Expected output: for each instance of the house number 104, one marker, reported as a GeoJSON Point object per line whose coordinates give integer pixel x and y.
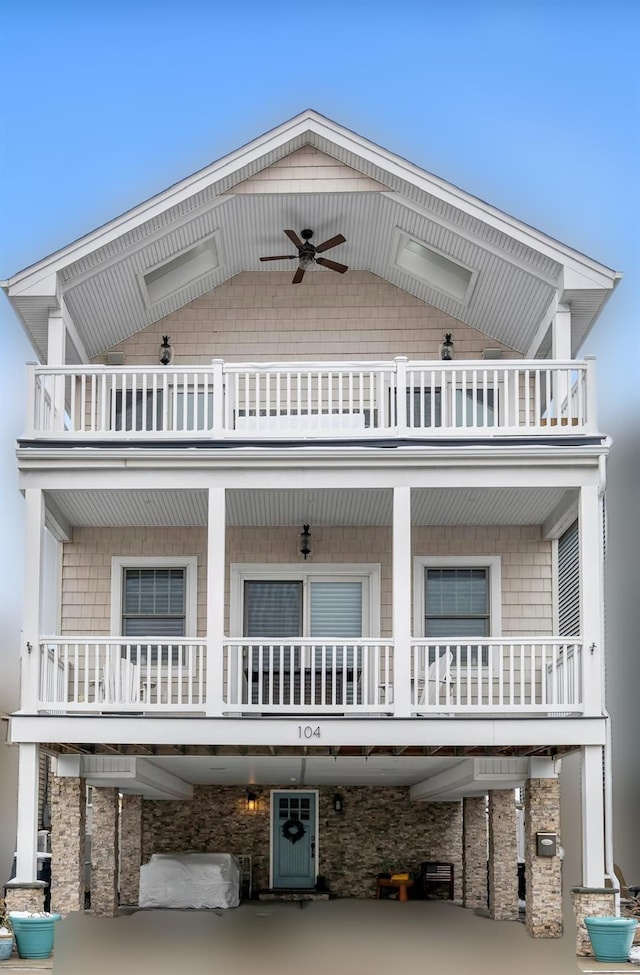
{"type": "Point", "coordinates": [308, 731]}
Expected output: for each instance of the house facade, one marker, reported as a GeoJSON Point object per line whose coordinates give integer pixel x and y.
{"type": "Point", "coordinates": [315, 489]}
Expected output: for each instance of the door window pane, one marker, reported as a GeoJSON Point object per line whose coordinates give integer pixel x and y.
{"type": "Point", "coordinates": [336, 609]}
{"type": "Point", "coordinates": [273, 608]}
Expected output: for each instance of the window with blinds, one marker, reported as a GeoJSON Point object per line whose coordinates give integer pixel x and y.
{"type": "Point", "coordinates": [154, 604]}
{"type": "Point", "coordinates": [569, 582]}
{"type": "Point", "coordinates": [457, 606]}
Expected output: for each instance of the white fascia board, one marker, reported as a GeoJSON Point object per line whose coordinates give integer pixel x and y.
{"type": "Point", "coordinates": [334, 732]}
{"type": "Point", "coordinates": [161, 781]}
{"type": "Point", "coordinates": [473, 776]}
{"type": "Point", "coordinates": [306, 125]}
{"type": "Point", "coordinates": [43, 282]}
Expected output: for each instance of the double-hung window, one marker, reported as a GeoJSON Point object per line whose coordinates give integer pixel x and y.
{"type": "Point", "coordinates": [458, 602]}
{"type": "Point", "coordinates": [151, 599]}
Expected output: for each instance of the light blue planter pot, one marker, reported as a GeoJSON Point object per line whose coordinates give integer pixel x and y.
{"type": "Point", "coordinates": [34, 935]}
{"type": "Point", "coordinates": [6, 948]}
{"type": "Point", "coordinates": [611, 937]}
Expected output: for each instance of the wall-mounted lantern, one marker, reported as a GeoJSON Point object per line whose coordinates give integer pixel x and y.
{"type": "Point", "coordinates": [305, 541]}
{"type": "Point", "coordinates": [446, 352]}
{"type": "Point", "coordinates": [252, 802]}
{"type": "Point", "coordinates": [166, 352]}
{"type": "Point", "coordinates": [338, 804]}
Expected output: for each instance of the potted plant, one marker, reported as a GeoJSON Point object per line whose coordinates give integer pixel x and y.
{"type": "Point", "coordinates": [6, 933]}
{"type": "Point", "coordinates": [33, 933]}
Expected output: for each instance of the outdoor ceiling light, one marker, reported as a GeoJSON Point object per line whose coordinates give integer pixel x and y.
{"type": "Point", "coordinates": [252, 802]}
{"type": "Point", "coordinates": [305, 541]}
{"type": "Point", "coordinates": [166, 352]}
{"type": "Point", "coordinates": [446, 352]}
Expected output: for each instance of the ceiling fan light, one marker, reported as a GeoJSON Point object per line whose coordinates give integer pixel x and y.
{"type": "Point", "coordinates": [306, 260]}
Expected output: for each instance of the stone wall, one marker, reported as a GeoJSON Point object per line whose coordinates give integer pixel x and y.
{"type": "Point", "coordinates": [543, 874]}
{"type": "Point", "coordinates": [503, 856]}
{"type": "Point", "coordinates": [380, 830]}
{"type": "Point", "coordinates": [24, 897]}
{"type": "Point", "coordinates": [68, 811]}
{"type": "Point", "coordinates": [474, 851]}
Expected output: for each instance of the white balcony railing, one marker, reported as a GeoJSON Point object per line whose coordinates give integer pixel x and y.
{"type": "Point", "coordinates": [111, 674]}
{"type": "Point", "coordinates": [541, 675]}
{"type": "Point", "coordinates": [339, 400]}
{"type": "Point", "coordinates": [354, 677]}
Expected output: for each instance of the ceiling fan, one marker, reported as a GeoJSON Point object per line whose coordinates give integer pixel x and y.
{"type": "Point", "coordinates": [307, 251]}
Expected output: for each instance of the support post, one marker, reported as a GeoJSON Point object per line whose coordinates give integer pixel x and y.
{"type": "Point", "coordinates": [216, 559]}
{"type": "Point", "coordinates": [130, 849]}
{"type": "Point", "coordinates": [30, 650]}
{"type": "Point", "coordinates": [402, 601]}
{"type": "Point", "coordinates": [104, 852]}
{"type": "Point", "coordinates": [68, 829]}
{"type": "Point", "coordinates": [561, 351]}
{"type": "Point", "coordinates": [56, 355]}
{"type": "Point", "coordinates": [503, 856]}
{"type": "Point", "coordinates": [28, 779]}
{"type": "Point", "coordinates": [543, 874]}
{"type": "Point", "coordinates": [217, 424]}
{"type": "Point", "coordinates": [591, 597]}
{"type": "Point", "coordinates": [474, 851]}
{"type": "Point", "coordinates": [592, 817]}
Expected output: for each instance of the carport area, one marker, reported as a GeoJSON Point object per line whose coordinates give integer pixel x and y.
{"type": "Point", "coordinates": [338, 936]}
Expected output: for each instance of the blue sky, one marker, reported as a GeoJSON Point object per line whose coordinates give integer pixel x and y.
{"type": "Point", "coordinates": [531, 105]}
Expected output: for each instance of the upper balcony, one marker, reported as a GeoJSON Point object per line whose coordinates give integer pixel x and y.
{"type": "Point", "coordinates": [343, 401]}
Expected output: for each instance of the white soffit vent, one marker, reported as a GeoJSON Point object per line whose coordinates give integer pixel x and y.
{"type": "Point", "coordinates": [432, 266]}
{"type": "Point", "coordinates": [175, 274]}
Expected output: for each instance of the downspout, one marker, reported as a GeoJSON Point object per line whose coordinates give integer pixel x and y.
{"type": "Point", "coordinates": [607, 773]}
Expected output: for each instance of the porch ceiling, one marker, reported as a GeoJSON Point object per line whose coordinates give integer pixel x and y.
{"type": "Point", "coordinates": [373, 507]}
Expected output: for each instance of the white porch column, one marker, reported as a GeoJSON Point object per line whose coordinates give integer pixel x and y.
{"type": "Point", "coordinates": [561, 349]}
{"type": "Point", "coordinates": [401, 568]}
{"type": "Point", "coordinates": [592, 597]}
{"type": "Point", "coordinates": [215, 598]}
{"type": "Point", "coordinates": [27, 845]}
{"type": "Point", "coordinates": [592, 817]}
{"type": "Point", "coordinates": [30, 649]}
{"type": "Point", "coordinates": [56, 355]}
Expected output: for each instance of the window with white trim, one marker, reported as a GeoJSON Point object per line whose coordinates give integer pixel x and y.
{"type": "Point", "coordinates": [153, 597]}
{"type": "Point", "coordinates": [458, 601]}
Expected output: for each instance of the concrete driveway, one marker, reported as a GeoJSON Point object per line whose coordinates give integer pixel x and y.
{"type": "Point", "coordinates": [323, 938]}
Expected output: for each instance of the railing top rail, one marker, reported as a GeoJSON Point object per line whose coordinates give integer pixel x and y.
{"type": "Point", "coordinates": [535, 641]}
{"type": "Point", "coordinates": [365, 365]}
{"type": "Point", "coordinates": [121, 640]}
{"type": "Point", "coordinates": [317, 641]}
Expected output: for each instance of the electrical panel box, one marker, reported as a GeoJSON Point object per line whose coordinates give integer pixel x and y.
{"type": "Point", "coordinates": [546, 844]}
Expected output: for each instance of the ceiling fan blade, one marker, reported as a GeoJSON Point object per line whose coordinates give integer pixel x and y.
{"type": "Point", "coordinates": [281, 257]}
{"type": "Point", "coordinates": [332, 242]}
{"type": "Point", "coordinates": [298, 276]}
{"type": "Point", "coordinates": [340, 268]}
{"type": "Point", "coordinates": [293, 237]}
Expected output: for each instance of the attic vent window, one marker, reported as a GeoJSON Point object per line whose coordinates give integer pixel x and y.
{"type": "Point", "coordinates": [189, 266]}
{"type": "Point", "coordinates": [434, 268]}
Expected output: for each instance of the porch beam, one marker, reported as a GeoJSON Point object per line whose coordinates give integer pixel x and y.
{"type": "Point", "coordinates": [241, 735]}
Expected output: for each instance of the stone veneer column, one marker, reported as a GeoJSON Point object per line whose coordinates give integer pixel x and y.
{"type": "Point", "coordinates": [503, 856]}
{"type": "Point", "coordinates": [130, 849]}
{"type": "Point", "coordinates": [474, 851]}
{"type": "Point", "coordinates": [25, 897]}
{"type": "Point", "coordinates": [104, 853]}
{"type": "Point", "coordinates": [590, 902]}
{"type": "Point", "coordinates": [68, 812]}
{"type": "Point", "coordinates": [543, 874]}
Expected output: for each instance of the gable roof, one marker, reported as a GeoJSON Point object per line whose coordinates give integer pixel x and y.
{"type": "Point", "coordinates": [311, 172]}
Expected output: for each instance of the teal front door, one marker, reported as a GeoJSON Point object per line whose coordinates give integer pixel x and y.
{"type": "Point", "coordinates": [294, 839]}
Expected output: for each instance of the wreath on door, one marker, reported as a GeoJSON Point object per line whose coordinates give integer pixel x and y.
{"type": "Point", "coordinates": [293, 830]}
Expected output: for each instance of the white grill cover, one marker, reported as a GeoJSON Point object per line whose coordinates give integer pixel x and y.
{"type": "Point", "coordinates": [197, 880]}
